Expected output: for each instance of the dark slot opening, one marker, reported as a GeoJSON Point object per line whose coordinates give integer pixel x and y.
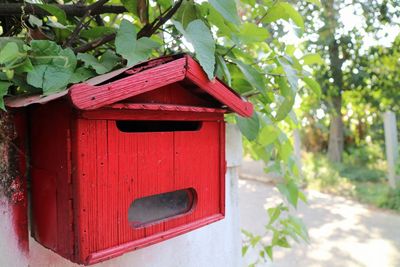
{"type": "Point", "coordinates": [155, 208]}
{"type": "Point", "coordinates": [157, 126]}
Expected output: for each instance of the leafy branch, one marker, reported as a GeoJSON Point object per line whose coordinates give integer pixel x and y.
{"type": "Point", "coordinates": [78, 10]}
{"type": "Point", "coordinates": [146, 31]}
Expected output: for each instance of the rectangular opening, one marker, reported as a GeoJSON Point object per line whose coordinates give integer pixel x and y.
{"type": "Point", "coordinates": [157, 126]}
{"type": "Point", "coordinates": [152, 209]}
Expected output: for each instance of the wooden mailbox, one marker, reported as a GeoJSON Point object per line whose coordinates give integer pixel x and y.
{"type": "Point", "coordinates": [129, 158]}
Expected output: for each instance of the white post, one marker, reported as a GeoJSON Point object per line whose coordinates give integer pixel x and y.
{"type": "Point", "coordinates": [297, 148]}
{"type": "Point", "coordinates": [392, 150]}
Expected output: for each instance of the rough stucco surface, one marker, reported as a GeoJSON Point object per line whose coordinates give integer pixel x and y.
{"type": "Point", "coordinates": [9, 252]}
{"type": "Point", "coordinates": [215, 245]}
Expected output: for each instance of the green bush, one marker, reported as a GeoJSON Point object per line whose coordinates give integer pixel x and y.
{"type": "Point", "coordinates": [392, 200]}
{"type": "Point", "coordinates": [363, 155]}
{"type": "Point", "coordinates": [359, 173]}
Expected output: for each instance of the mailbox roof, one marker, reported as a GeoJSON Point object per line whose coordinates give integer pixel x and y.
{"type": "Point", "coordinates": [111, 88]}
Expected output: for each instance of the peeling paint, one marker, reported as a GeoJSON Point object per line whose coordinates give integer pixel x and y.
{"type": "Point", "coordinates": [9, 171]}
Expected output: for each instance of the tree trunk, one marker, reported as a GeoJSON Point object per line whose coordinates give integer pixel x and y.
{"type": "Point", "coordinates": [336, 132]}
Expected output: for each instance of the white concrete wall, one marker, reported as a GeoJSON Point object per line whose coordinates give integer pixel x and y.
{"type": "Point", "coordinates": [215, 245]}
{"type": "Point", "coordinates": [9, 251]}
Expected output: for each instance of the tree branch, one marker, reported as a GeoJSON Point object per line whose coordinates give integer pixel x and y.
{"type": "Point", "coordinates": [13, 9]}
{"type": "Point", "coordinates": [146, 31]}
{"type": "Point", "coordinates": [89, 10]}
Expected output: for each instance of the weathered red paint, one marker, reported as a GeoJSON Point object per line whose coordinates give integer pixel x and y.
{"type": "Point", "coordinates": [86, 172]}
{"type": "Point", "coordinates": [19, 199]}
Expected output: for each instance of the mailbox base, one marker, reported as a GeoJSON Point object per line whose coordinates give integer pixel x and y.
{"type": "Point", "coordinates": [117, 251]}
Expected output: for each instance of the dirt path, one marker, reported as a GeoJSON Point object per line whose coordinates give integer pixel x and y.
{"type": "Point", "coordinates": [343, 233]}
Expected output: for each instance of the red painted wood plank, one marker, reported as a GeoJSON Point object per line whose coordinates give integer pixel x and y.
{"type": "Point", "coordinates": [155, 169]}
{"type": "Point", "coordinates": [177, 93]}
{"type": "Point", "coordinates": [166, 107]}
{"type": "Point", "coordinates": [113, 114]}
{"type": "Point", "coordinates": [50, 159]}
{"type": "Point", "coordinates": [222, 166]}
{"type": "Point", "coordinates": [81, 189]}
{"type": "Point", "coordinates": [86, 97]}
{"type": "Point", "coordinates": [217, 89]}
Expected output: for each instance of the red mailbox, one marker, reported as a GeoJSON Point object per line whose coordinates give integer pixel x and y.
{"type": "Point", "coordinates": [129, 158]}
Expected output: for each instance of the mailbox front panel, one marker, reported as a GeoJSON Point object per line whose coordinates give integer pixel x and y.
{"type": "Point", "coordinates": [175, 165]}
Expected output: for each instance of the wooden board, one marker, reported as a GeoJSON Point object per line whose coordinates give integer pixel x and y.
{"type": "Point", "coordinates": [128, 166]}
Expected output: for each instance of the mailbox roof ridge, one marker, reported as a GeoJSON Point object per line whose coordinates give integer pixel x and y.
{"type": "Point", "coordinates": [118, 85]}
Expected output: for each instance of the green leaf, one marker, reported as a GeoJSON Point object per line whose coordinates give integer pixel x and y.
{"type": "Point", "coordinates": [221, 64]}
{"type": "Point", "coordinates": [285, 150]}
{"type": "Point", "coordinates": [252, 75]}
{"type": "Point", "coordinates": [106, 62]}
{"type": "Point", "coordinates": [3, 91]}
{"type": "Point", "coordinates": [284, 108]}
{"type": "Point", "coordinates": [131, 49]}
{"type": "Point", "coordinates": [282, 242]}
{"type": "Point", "coordinates": [302, 197]}
{"type": "Point", "coordinates": [81, 74]}
{"type": "Point", "coordinates": [247, 233]}
{"type": "Point", "coordinates": [187, 13]}
{"type": "Point", "coordinates": [285, 11]}
{"type": "Point", "coordinates": [44, 51]}
{"type": "Point", "coordinates": [283, 190]}
{"type": "Point", "coordinates": [269, 251]}
{"type": "Point", "coordinates": [165, 3]}
{"type": "Point", "coordinates": [227, 8]}
{"type": "Point", "coordinates": [130, 5]}
{"type": "Point", "coordinates": [284, 87]}
{"type": "Point", "coordinates": [9, 74]}
{"type": "Point", "coordinates": [35, 77]}
{"type": "Point", "coordinates": [97, 32]}
{"type": "Point", "coordinates": [293, 193]}
{"type": "Point", "coordinates": [203, 43]}
{"type": "Point", "coordinates": [50, 78]}
{"type": "Point", "coordinates": [249, 126]}
{"type": "Point", "coordinates": [66, 59]}
{"type": "Point", "coordinates": [254, 241]}
{"type": "Point", "coordinates": [311, 59]}
{"type": "Point", "coordinates": [251, 33]}
{"type": "Point", "coordinates": [268, 135]}
{"type": "Point", "coordinates": [9, 52]}
{"type": "Point", "coordinates": [273, 214]}
{"type": "Point", "coordinates": [291, 74]}
{"type": "Point", "coordinates": [25, 66]}
{"type": "Point", "coordinates": [55, 11]}
{"type": "Point", "coordinates": [214, 17]}
{"type": "Point", "coordinates": [313, 85]}
{"type": "Point", "coordinates": [244, 250]}
{"type": "Point", "coordinates": [299, 226]}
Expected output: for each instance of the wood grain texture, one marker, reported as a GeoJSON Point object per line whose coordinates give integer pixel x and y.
{"type": "Point", "coordinates": [165, 107]}
{"type": "Point", "coordinates": [50, 174]}
{"type": "Point", "coordinates": [115, 168]}
{"type": "Point", "coordinates": [217, 89]}
{"type": "Point", "coordinates": [86, 97]}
